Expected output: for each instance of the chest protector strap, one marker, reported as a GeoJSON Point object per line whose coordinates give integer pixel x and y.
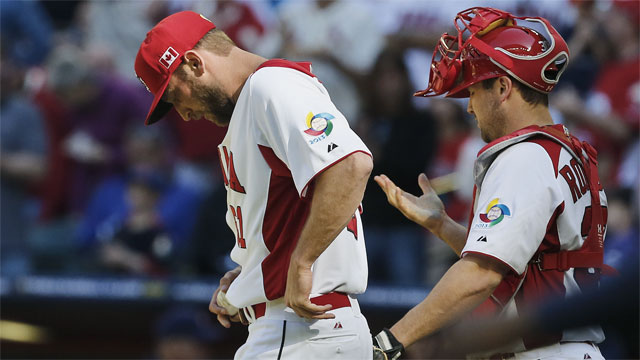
{"type": "Point", "coordinates": [590, 255]}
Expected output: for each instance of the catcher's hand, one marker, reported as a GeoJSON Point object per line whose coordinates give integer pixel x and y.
{"type": "Point", "coordinates": [386, 346]}
{"type": "Point", "coordinates": [426, 210]}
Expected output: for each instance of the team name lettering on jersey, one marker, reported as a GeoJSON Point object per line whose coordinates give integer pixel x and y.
{"type": "Point", "coordinates": [575, 178]}
{"type": "Point", "coordinates": [237, 218]}
{"type": "Point", "coordinates": [229, 171]}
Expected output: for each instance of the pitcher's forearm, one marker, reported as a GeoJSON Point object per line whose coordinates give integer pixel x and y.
{"type": "Point", "coordinates": [337, 194]}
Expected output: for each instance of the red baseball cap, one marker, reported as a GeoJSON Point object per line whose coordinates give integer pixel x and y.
{"type": "Point", "coordinates": [161, 53]}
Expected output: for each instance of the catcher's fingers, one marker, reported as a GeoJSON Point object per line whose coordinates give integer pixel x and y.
{"type": "Point", "coordinates": [424, 183]}
{"type": "Point", "coordinates": [388, 187]}
{"type": "Point", "coordinates": [398, 196]}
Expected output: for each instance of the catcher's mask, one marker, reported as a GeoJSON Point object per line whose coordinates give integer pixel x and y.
{"type": "Point", "coordinates": [490, 43]}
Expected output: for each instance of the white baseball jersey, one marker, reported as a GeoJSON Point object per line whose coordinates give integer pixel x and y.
{"type": "Point", "coordinates": [283, 133]}
{"type": "Point", "coordinates": [531, 197]}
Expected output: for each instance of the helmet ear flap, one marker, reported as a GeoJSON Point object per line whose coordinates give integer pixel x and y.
{"type": "Point", "coordinates": [450, 74]}
{"type": "Point", "coordinates": [442, 77]}
{"type": "Point", "coordinates": [445, 67]}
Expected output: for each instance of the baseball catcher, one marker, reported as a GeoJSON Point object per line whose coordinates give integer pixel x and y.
{"type": "Point", "coordinates": [539, 213]}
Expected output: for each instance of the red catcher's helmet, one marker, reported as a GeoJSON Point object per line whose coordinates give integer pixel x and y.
{"type": "Point", "coordinates": [492, 43]}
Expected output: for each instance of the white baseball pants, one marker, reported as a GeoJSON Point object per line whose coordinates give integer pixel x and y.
{"type": "Point", "coordinates": [281, 334]}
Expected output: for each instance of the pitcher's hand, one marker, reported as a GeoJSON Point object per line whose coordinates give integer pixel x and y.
{"type": "Point", "coordinates": [222, 314]}
{"type": "Point", "coordinates": [296, 296]}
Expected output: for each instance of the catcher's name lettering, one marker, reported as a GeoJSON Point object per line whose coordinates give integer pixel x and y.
{"type": "Point", "coordinates": [229, 171]}
{"type": "Point", "coordinates": [576, 179]}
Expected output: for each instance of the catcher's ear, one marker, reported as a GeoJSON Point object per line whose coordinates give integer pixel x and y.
{"type": "Point", "coordinates": [505, 87]}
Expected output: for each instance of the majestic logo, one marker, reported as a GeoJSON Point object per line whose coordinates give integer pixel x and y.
{"type": "Point", "coordinates": [482, 238]}
{"type": "Point", "coordinates": [494, 213]}
{"type": "Point", "coordinates": [319, 124]}
{"type": "Point", "coordinates": [169, 56]}
{"type": "Point", "coordinates": [331, 146]}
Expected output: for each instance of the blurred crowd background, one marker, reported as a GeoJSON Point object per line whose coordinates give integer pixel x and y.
{"type": "Point", "coordinates": [87, 189]}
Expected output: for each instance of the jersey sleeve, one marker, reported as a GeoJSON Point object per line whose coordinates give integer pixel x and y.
{"type": "Point", "coordinates": [518, 197]}
{"type": "Point", "coordinates": [296, 118]}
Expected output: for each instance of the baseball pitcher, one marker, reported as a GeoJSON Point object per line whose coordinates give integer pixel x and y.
{"type": "Point", "coordinates": [295, 174]}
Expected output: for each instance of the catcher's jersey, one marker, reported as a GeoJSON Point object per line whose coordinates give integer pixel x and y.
{"type": "Point", "coordinates": [533, 198]}
{"type": "Point", "coordinates": [284, 131]}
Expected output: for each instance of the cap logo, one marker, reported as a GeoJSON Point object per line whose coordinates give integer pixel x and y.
{"type": "Point", "coordinates": [169, 56]}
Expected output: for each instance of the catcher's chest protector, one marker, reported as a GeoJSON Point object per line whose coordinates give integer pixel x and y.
{"type": "Point", "coordinates": [588, 260]}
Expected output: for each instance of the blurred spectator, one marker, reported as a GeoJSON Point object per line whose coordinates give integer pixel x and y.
{"type": "Point", "coordinates": [451, 174]}
{"type": "Point", "coordinates": [197, 165]}
{"type": "Point", "coordinates": [63, 14]}
{"type": "Point", "coordinates": [628, 173]}
{"type": "Point", "coordinates": [22, 166]}
{"type": "Point", "coordinates": [339, 38]}
{"type": "Point", "coordinates": [54, 196]}
{"type": "Point", "coordinates": [610, 116]}
{"type": "Point", "coordinates": [249, 25]}
{"type": "Point", "coordinates": [141, 245]}
{"type": "Point", "coordinates": [116, 46]}
{"type": "Point", "coordinates": [211, 240]}
{"type": "Point", "coordinates": [26, 31]}
{"type": "Point", "coordinates": [144, 210]}
{"type": "Point", "coordinates": [403, 142]}
{"type": "Point", "coordinates": [623, 237]}
{"type": "Point", "coordinates": [185, 333]}
{"type": "Point", "coordinates": [100, 108]}
{"type": "Point", "coordinates": [453, 134]}
{"type": "Point", "coordinates": [588, 51]}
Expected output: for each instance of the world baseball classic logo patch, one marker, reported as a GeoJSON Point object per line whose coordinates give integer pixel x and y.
{"type": "Point", "coordinates": [319, 126]}
{"type": "Point", "coordinates": [494, 214]}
